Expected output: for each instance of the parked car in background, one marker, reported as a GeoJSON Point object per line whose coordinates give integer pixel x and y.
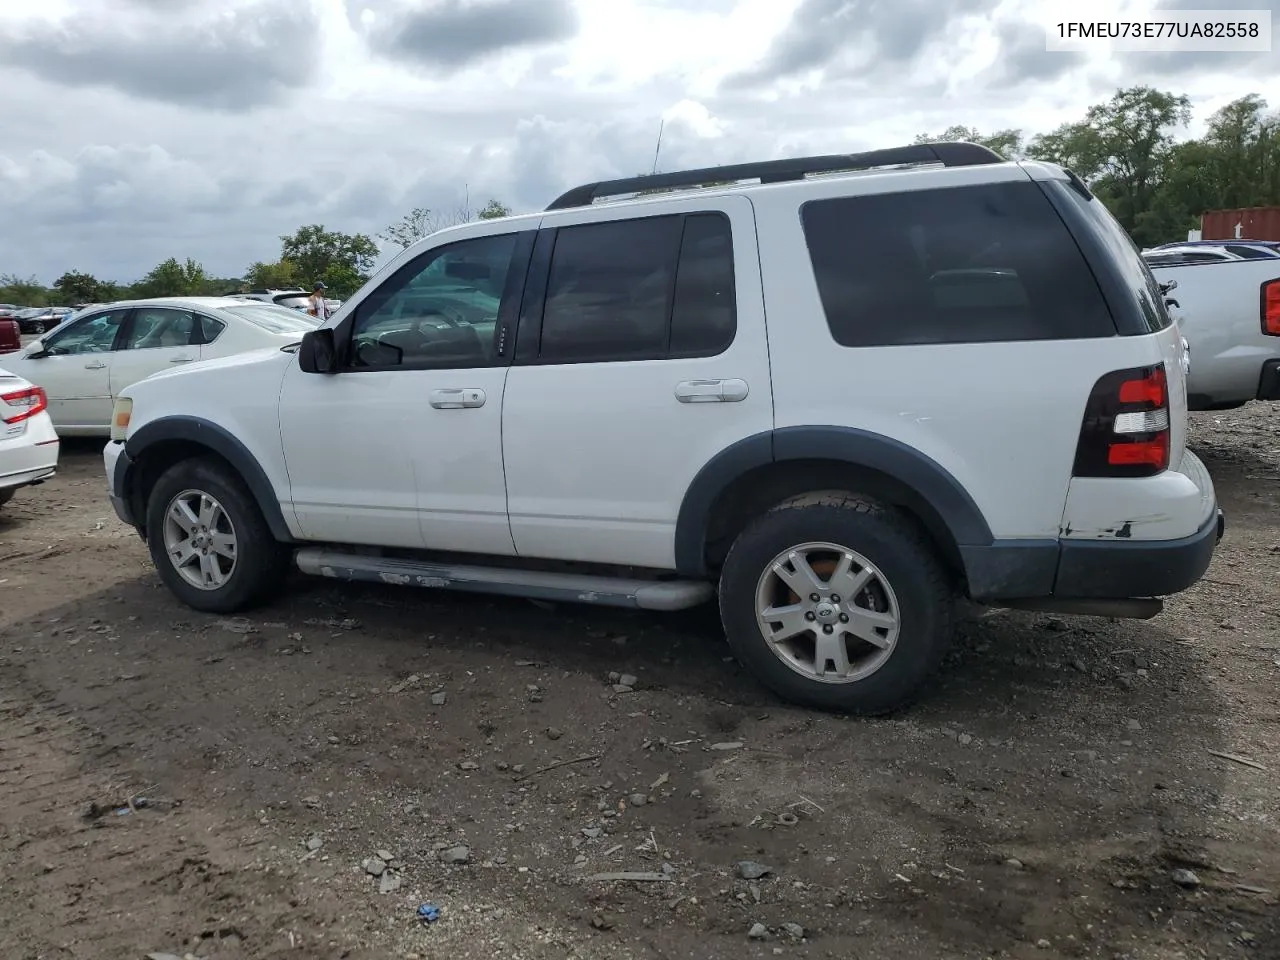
{"type": "Point", "coordinates": [1229, 314]}
{"type": "Point", "coordinates": [8, 309]}
{"type": "Point", "coordinates": [295, 299]}
{"type": "Point", "coordinates": [266, 295]}
{"type": "Point", "coordinates": [28, 441]}
{"type": "Point", "coordinates": [302, 301]}
{"type": "Point", "coordinates": [84, 364]}
{"type": "Point", "coordinates": [1167, 256]}
{"type": "Point", "coordinates": [10, 336]}
{"type": "Point", "coordinates": [1244, 249]}
{"type": "Point", "coordinates": [38, 320]}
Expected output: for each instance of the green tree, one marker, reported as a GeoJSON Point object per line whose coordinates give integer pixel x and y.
{"type": "Point", "coordinates": [421, 222]}
{"type": "Point", "coordinates": [1124, 148]}
{"type": "Point", "coordinates": [173, 279]}
{"type": "Point", "coordinates": [28, 292]}
{"type": "Point", "coordinates": [342, 280]}
{"type": "Point", "coordinates": [281, 275]}
{"type": "Point", "coordinates": [410, 228]}
{"type": "Point", "coordinates": [1244, 139]}
{"type": "Point", "coordinates": [493, 210]}
{"type": "Point", "coordinates": [313, 250]}
{"type": "Point", "coordinates": [1007, 143]}
{"type": "Point", "coordinates": [76, 287]}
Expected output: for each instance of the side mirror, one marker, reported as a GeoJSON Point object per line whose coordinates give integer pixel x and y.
{"type": "Point", "coordinates": [39, 354]}
{"type": "Point", "coordinates": [318, 352]}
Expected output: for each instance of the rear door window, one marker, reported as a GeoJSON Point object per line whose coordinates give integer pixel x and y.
{"type": "Point", "coordinates": [971, 264]}
{"type": "Point", "coordinates": [652, 288]}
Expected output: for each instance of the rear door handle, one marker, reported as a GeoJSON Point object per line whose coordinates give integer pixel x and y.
{"type": "Point", "coordinates": [96, 365]}
{"type": "Point", "coordinates": [711, 391]}
{"type": "Point", "coordinates": [457, 398]}
{"type": "Point", "coordinates": [182, 359]}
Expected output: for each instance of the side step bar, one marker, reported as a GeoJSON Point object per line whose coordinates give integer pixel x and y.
{"type": "Point", "coordinates": [1137, 609]}
{"type": "Point", "coordinates": [531, 584]}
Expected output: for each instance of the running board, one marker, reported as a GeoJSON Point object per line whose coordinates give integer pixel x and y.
{"type": "Point", "coordinates": [1136, 609]}
{"type": "Point", "coordinates": [531, 584]}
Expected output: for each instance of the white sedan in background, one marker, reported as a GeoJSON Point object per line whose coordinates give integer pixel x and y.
{"type": "Point", "coordinates": [85, 363]}
{"type": "Point", "coordinates": [28, 442]}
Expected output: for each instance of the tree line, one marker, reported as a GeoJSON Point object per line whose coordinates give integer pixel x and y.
{"type": "Point", "coordinates": [342, 261]}
{"type": "Point", "coordinates": [1127, 149]}
{"type": "Point", "coordinates": [1157, 186]}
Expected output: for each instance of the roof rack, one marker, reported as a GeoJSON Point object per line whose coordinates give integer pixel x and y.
{"type": "Point", "coordinates": [949, 154]}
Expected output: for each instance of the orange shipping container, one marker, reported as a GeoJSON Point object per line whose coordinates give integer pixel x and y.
{"type": "Point", "coordinates": [1256, 223]}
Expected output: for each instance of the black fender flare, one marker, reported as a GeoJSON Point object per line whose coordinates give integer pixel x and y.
{"type": "Point", "coordinates": [221, 441]}
{"type": "Point", "coordinates": [932, 482]}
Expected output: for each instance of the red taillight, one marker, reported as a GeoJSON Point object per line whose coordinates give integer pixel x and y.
{"type": "Point", "coordinates": [1151, 389]}
{"type": "Point", "coordinates": [1125, 432]}
{"type": "Point", "coordinates": [22, 404]}
{"type": "Point", "coordinates": [1271, 307]}
{"type": "Point", "coordinates": [1150, 453]}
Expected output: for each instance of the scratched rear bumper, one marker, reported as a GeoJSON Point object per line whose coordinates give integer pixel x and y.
{"type": "Point", "coordinates": [1122, 569]}
{"type": "Point", "coordinates": [1090, 569]}
{"type": "Point", "coordinates": [1120, 539]}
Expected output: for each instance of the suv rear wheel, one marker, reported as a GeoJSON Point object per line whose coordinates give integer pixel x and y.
{"type": "Point", "coordinates": [209, 541]}
{"type": "Point", "coordinates": [838, 603]}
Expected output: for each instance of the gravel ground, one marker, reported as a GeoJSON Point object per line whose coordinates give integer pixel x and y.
{"type": "Point", "coordinates": [298, 783]}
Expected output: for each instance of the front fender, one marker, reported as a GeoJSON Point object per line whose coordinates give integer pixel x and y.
{"type": "Point", "coordinates": [216, 439]}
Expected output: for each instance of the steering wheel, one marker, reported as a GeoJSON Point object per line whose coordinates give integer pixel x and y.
{"type": "Point", "coordinates": [454, 319]}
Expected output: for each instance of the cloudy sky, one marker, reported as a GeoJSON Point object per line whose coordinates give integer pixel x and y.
{"type": "Point", "coordinates": [134, 130]}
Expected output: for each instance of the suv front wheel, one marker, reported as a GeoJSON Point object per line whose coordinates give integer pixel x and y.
{"type": "Point", "coordinates": [208, 539]}
{"type": "Point", "coordinates": [837, 602]}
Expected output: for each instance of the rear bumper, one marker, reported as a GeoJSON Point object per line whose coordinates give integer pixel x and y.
{"type": "Point", "coordinates": [24, 478]}
{"type": "Point", "coordinates": [29, 457]}
{"type": "Point", "coordinates": [1091, 569]}
{"type": "Point", "coordinates": [1111, 570]}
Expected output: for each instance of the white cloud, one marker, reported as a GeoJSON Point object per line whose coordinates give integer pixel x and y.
{"type": "Point", "coordinates": [207, 128]}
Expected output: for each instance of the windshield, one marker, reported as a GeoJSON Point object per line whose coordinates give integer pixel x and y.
{"type": "Point", "coordinates": [274, 319]}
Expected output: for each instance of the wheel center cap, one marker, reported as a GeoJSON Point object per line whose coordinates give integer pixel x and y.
{"type": "Point", "coordinates": [825, 611]}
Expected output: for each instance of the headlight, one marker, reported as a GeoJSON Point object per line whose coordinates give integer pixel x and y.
{"type": "Point", "coordinates": [120, 416]}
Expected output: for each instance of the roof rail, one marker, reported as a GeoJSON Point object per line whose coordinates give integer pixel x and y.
{"type": "Point", "coordinates": [949, 154]}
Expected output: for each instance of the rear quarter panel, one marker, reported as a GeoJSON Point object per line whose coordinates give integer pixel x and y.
{"type": "Point", "coordinates": [1002, 418]}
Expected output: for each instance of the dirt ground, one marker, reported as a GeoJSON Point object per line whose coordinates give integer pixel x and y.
{"type": "Point", "coordinates": [181, 784]}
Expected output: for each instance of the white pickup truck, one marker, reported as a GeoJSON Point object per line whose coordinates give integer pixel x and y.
{"type": "Point", "coordinates": [1229, 314]}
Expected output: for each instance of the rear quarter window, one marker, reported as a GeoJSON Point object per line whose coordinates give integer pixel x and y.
{"type": "Point", "coordinates": [1132, 290]}
{"type": "Point", "coordinates": [971, 264]}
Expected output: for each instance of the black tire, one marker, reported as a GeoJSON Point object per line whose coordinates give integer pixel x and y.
{"type": "Point", "coordinates": [895, 544]}
{"type": "Point", "coordinates": [261, 562]}
{"type": "Point", "coordinates": [39, 328]}
{"type": "Point", "coordinates": [6, 496]}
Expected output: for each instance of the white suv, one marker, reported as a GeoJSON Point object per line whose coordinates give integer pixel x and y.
{"type": "Point", "coordinates": [838, 398]}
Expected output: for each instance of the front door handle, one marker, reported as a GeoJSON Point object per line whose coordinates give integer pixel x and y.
{"type": "Point", "coordinates": [182, 359]}
{"type": "Point", "coordinates": [96, 365]}
{"type": "Point", "coordinates": [711, 391]}
{"type": "Point", "coordinates": [457, 398]}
